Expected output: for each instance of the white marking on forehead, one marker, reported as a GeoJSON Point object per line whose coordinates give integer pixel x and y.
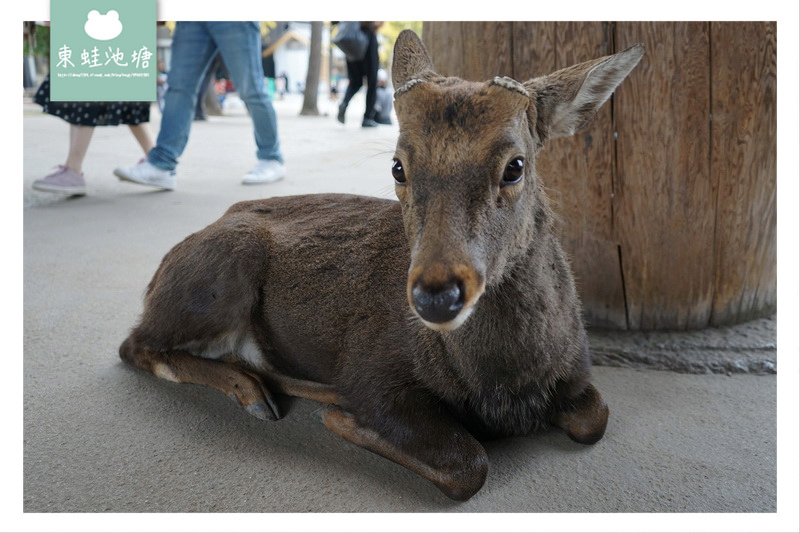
{"type": "Point", "coordinates": [407, 85]}
{"type": "Point", "coordinates": [504, 82]}
{"type": "Point", "coordinates": [512, 85]}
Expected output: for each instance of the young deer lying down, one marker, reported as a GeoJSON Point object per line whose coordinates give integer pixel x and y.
{"type": "Point", "coordinates": [427, 323]}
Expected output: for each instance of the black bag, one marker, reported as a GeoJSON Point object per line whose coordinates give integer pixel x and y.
{"type": "Point", "coordinates": [351, 40]}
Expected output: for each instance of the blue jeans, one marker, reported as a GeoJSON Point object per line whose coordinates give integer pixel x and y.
{"type": "Point", "coordinates": [194, 45]}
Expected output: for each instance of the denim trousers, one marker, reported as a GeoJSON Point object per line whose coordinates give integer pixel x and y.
{"type": "Point", "coordinates": [194, 45]}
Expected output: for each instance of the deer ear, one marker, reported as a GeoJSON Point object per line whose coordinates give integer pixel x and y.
{"type": "Point", "coordinates": [411, 59]}
{"type": "Point", "coordinates": [568, 99]}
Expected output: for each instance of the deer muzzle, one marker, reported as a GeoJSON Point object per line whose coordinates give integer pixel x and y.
{"type": "Point", "coordinates": [443, 296]}
{"type": "Point", "coordinates": [438, 304]}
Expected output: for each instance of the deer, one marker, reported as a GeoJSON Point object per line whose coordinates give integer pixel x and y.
{"type": "Point", "coordinates": [423, 325]}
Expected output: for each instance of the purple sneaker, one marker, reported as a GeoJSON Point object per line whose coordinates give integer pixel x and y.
{"type": "Point", "coordinates": [64, 180]}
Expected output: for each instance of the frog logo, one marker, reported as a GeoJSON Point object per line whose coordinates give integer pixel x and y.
{"type": "Point", "coordinates": [102, 27]}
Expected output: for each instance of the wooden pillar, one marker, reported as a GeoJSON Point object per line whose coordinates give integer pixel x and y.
{"type": "Point", "coordinates": [744, 163]}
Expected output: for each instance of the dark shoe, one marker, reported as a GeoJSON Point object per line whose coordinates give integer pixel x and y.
{"type": "Point", "coordinates": [340, 116]}
{"type": "Point", "coordinates": [369, 123]}
{"type": "Point", "coordinates": [384, 121]}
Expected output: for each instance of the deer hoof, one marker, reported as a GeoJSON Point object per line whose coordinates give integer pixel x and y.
{"type": "Point", "coordinates": [586, 421]}
{"type": "Point", "coordinates": [263, 410]}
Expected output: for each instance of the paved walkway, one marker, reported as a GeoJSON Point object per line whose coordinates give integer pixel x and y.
{"type": "Point", "coordinates": [101, 437]}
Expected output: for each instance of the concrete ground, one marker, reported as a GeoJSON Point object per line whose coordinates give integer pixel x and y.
{"type": "Point", "coordinates": [100, 437]}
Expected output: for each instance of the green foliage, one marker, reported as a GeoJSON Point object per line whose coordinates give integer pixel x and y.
{"type": "Point", "coordinates": [41, 43]}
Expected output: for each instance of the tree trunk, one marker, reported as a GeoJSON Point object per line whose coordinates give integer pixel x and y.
{"type": "Point", "coordinates": [312, 78]}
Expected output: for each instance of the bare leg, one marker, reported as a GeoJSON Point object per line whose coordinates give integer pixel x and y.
{"type": "Point", "coordinates": [79, 139]}
{"type": "Point", "coordinates": [143, 137]}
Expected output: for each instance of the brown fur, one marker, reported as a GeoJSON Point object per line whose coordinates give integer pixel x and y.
{"type": "Point", "coordinates": [312, 295]}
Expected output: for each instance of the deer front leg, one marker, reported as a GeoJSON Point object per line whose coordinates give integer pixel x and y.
{"type": "Point", "coordinates": [428, 444]}
{"type": "Point", "coordinates": [181, 367]}
{"type": "Point", "coordinates": [583, 416]}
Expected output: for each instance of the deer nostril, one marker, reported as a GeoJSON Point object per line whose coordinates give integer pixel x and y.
{"type": "Point", "coordinates": [438, 304]}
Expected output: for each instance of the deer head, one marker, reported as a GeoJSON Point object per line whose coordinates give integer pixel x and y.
{"type": "Point", "coordinates": [464, 170]}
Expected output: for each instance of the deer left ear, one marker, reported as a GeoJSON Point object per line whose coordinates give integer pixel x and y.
{"type": "Point", "coordinates": [567, 100]}
{"type": "Point", "coordinates": [410, 59]}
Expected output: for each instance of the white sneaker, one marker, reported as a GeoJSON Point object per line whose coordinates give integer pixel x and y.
{"type": "Point", "coordinates": [265, 171]}
{"type": "Point", "coordinates": [145, 173]}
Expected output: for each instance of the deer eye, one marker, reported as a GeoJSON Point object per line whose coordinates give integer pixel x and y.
{"type": "Point", "coordinates": [513, 172]}
{"type": "Point", "coordinates": [398, 173]}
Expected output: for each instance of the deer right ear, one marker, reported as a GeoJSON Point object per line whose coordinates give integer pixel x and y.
{"type": "Point", "coordinates": [411, 60]}
{"type": "Point", "coordinates": [567, 100]}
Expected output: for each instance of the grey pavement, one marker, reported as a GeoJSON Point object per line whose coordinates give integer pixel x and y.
{"type": "Point", "coordinates": [100, 437]}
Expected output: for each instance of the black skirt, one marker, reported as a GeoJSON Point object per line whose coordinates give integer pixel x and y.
{"type": "Point", "coordinates": [92, 113]}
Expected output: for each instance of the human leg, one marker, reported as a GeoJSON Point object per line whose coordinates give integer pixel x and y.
{"type": "Point", "coordinates": [79, 139]}
{"type": "Point", "coordinates": [371, 64]}
{"type": "Point", "coordinates": [239, 44]}
{"type": "Point", "coordinates": [142, 136]}
{"type": "Point", "coordinates": [192, 52]}
{"type": "Point", "coordinates": [355, 79]}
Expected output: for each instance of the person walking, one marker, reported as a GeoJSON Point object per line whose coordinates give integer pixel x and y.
{"type": "Point", "coordinates": [357, 71]}
{"type": "Point", "coordinates": [383, 100]}
{"type": "Point", "coordinates": [83, 117]}
{"type": "Point", "coordinates": [194, 46]}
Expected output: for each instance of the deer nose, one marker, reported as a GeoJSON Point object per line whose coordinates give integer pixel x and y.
{"type": "Point", "coordinates": [438, 304]}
